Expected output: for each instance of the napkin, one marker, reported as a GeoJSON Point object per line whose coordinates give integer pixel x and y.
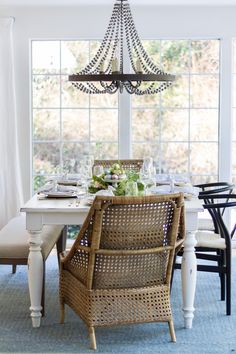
{"type": "Point", "coordinates": [51, 188]}
{"type": "Point", "coordinates": [165, 189]}
{"type": "Point", "coordinates": [106, 192]}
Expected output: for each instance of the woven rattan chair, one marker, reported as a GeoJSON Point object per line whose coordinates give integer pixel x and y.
{"type": "Point", "coordinates": [132, 164]}
{"type": "Point", "coordinates": [118, 270]}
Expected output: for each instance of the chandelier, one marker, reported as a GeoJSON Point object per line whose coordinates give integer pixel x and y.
{"type": "Point", "coordinates": [105, 72]}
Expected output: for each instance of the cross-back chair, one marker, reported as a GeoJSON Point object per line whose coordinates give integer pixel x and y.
{"type": "Point", "coordinates": [212, 188]}
{"type": "Point", "coordinates": [118, 271]}
{"type": "Point", "coordinates": [216, 246]}
{"type": "Point", "coordinates": [220, 241]}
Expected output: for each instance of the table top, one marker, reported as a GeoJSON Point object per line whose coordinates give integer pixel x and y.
{"type": "Point", "coordinates": [35, 205]}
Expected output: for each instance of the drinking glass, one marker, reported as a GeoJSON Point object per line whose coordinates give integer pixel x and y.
{"type": "Point", "coordinates": [131, 188]}
{"type": "Point", "coordinates": [148, 163]}
{"type": "Point", "coordinates": [55, 185]}
{"type": "Point", "coordinates": [85, 175]}
{"type": "Point", "coordinates": [98, 170]}
{"type": "Point", "coordinates": [88, 160]}
{"type": "Point", "coordinates": [68, 168]}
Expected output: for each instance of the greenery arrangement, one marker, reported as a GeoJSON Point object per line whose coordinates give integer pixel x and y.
{"type": "Point", "coordinates": [102, 182]}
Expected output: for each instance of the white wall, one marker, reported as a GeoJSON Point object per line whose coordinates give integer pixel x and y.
{"type": "Point", "coordinates": [90, 23]}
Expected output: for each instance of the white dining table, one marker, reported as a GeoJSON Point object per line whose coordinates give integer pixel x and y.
{"type": "Point", "coordinates": [41, 212]}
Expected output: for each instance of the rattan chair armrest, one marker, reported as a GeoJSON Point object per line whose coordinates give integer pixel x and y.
{"type": "Point", "coordinates": [178, 245]}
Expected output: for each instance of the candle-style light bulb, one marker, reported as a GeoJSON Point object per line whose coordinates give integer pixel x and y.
{"type": "Point", "coordinates": [101, 67]}
{"type": "Point", "coordinates": [114, 65]}
{"type": "Point", "coordinates": [138, 66]}
{"type": "Point", "coordinates": [115, 62]}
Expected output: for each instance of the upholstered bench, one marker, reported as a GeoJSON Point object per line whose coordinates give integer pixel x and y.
{"type": "Point", "coordinates": [14, 244]}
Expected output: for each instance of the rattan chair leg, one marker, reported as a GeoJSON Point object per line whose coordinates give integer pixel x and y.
{"type": "Point", "coordinates": [13, 268]}
{"type": "Point", "coordinates": [172, 331]}
{"type": "Point", "coordinates": [92, 338]}
{"type": "Point", "coordinates": [62, 312]}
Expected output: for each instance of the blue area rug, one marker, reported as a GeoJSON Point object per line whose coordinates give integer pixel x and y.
{"type": "Point", "coordinates": [212, 332]}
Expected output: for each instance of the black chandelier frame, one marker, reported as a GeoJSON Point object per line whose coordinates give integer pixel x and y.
{"type": "Point", "coordinates": [106, 68]}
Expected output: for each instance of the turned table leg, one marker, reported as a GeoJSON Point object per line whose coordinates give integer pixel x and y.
{"type": "Point", "coordinates": [189, 275]}
{"type": "Point", "coordinates": [35, 276]}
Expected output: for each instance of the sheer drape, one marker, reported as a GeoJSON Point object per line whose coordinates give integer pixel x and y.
{"type": "Point", "coordinates": [10, 180]}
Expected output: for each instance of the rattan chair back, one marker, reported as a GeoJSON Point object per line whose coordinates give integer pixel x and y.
{"type": "Point", "coordinates": [128, 165]}
{"type": "Point", "coordinates": [122, 260]}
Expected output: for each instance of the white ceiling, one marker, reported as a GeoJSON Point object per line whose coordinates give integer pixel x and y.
{"type": "Point", "coordinates": [110, 2]}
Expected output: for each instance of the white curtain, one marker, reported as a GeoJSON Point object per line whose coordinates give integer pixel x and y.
{"type": "Point", "coordinates": [10, 177]}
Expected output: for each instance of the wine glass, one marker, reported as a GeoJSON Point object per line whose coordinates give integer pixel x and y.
{"type": "Point", "coordinates": [148, 163]}
{"type": "Point", "coordinates": [57, 176]}
{"type": "Point", "coordinates": [98, 170]}
{"type": "Point", "coordinates": [147, 176]}
{"type": "Point", "coordinates": [85, 173]}
{"type": "Point", "coordinates": [131, 188]}
{"type": "Point", "coordinates": [88, 160]}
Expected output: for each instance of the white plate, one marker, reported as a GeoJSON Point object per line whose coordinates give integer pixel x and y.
{"type": "Point", "coordinates": [69, 182]}
{"type": "Point", "coordinates": [61, 195]}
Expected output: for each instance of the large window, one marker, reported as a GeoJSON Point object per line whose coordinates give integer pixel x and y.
{"type": "Point", "coordinates": [234, 114]}
{"type": "Point", "coordinates": [178, 128]}
{"type": "Point", "coordinates": [67, 123]}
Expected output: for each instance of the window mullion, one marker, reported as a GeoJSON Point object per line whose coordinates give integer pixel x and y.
{"type": "Point", "coordinates": [125, 123]}
{"type": "Point", "coordinates": [225, 121]}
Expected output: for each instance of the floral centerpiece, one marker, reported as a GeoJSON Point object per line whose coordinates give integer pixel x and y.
{"type": "Point", "coordinates": [118, 178]}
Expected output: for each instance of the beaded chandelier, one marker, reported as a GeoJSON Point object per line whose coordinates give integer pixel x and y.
{"type": "Point", "coordinates": [105, 72]}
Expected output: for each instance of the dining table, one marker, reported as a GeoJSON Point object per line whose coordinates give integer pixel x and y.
{"type": "Point", "coordinates": [68, 211]}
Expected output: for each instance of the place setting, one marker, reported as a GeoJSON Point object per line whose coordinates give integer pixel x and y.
{"type": "Point", "coordinates": [118, 181]}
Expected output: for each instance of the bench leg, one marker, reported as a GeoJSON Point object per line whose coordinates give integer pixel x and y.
{"type": "Point", "coordinates": [61, 243]}
{"type": "Point", "coordinates": [14, 268]}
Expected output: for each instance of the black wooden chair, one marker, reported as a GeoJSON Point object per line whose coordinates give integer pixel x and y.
{"type": "Point", "coordinates": [215, 246]}
{"type": "Point", "coordinates": [207, 223]}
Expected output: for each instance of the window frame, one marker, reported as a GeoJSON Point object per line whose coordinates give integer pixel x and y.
{"type": "Point", "coordinates": [125, 108]}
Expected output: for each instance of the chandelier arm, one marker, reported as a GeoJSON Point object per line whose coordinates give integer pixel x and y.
{"type": "Point", "coordinates": [94, 89]}
{"type": "Point", "coordinates": [113, 89]}
{"type": "Point", "coordinates": [89, 87]}
{"type": "Point", "coordinates": [82, 87]}
{"type": "Point", "coordinates": [131, 84]}
{"type": "Point", "coordinates": [131, 87]}
{"type": "Point", "coordinates": [108, 86]}
{"type": "Point", "coordinates": [151, 91]}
